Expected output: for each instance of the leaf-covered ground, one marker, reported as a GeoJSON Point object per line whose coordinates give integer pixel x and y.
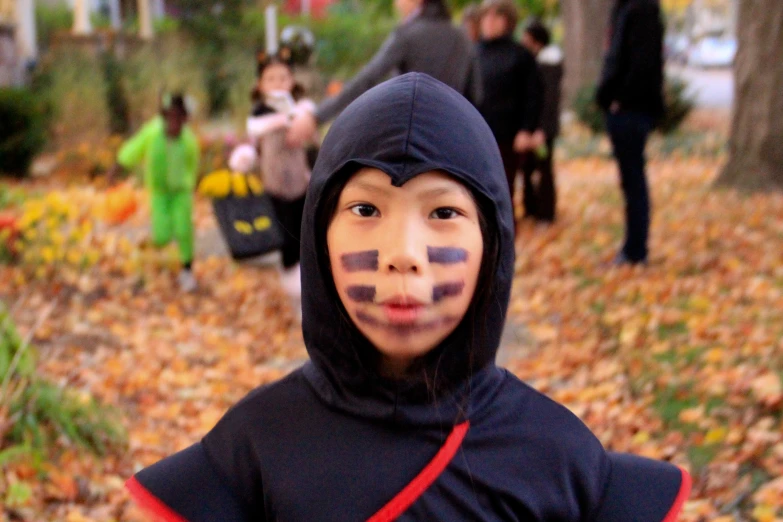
{"type": "Point", "coordinates": [682, 360]}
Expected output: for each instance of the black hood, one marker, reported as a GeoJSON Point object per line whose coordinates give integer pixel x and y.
{"type": "Point", "coordinates": [406, 126]}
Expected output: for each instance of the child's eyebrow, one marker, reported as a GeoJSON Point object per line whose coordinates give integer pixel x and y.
{"type": "Point", "coordinates": [440, 191]}
{"type": "Point", "coordinates": [369, 187]}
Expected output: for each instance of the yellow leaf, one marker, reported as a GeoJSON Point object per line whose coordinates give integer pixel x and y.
{"type": "Point", "coordinates": [715, 435]}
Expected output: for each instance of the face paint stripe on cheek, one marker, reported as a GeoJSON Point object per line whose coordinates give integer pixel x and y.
{"type": "Point", "coordinates": [442, 291]}
{"type": "Point", "coordinates": [361, 293]}
{"type": "Point", "coordinates": [360, 261]}
{"type": "Point", "coordinates": [447, 255]}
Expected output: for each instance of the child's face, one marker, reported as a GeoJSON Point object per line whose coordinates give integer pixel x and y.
{"type": "Point", "coordinates": [175, 120]}
{"type": "Point", "coordinates": [405, 260]}
{"type": "Point", "coordinates": [493, 25]}
{"type": "Point", "coordinates": [276, 77]}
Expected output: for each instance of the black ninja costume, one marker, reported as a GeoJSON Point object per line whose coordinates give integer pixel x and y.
{"type": "Point", "coordinates": [334, 441]}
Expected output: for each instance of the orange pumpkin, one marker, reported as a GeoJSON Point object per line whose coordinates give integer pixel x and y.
{"type": "Point", "coordinates": [120, 204]}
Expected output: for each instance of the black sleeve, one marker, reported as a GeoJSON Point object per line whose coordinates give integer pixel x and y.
{"type": "Point", "coordinates": [610, 76]}
{"type": "Point", "coordinates": [188, 486]}
{"type": "Point", "coordinates": [389, 56]}
{"type": "Point", "coordinates": [533, 95]}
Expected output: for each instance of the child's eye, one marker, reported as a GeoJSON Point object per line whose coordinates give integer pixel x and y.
{"type": "Point", "coordinates": [444, 213]}
{"type": "Point", "coordinates": [365, 210]}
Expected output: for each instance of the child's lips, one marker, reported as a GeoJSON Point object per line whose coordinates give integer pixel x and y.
{"type": "Point", "coordinates": [402, 310]}
{"type": "Point", "coordinates": [402, 314]}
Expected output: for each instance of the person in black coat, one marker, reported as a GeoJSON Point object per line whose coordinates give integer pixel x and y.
{"type": "Point", "coordinates": [631, 93]}
{"type": "Point", "coordinates": [539, 196]}
{"type": "Point", "coordinates": [512, 91]}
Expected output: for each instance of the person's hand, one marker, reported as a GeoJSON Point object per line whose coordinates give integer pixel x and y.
{"type": "Point", "coordinates": [301, 130]}
{"type": "Point", "coordinates": [538, 139]}
{"type": "Point", "coordinates": [522, 142]}
{"type": "Point", "coordinates": [614, 108]}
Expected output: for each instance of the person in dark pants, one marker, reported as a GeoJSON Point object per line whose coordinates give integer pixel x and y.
{"type": "Point", "coordinates": [539, 196]}
{"type": "Point", "coordinates": [631, 93]}
{"type": "Point", "coordinates": [512, 91]}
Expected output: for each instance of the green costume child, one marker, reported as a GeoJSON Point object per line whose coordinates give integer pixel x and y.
{"type": "Point", "coordinates": [169, 151]}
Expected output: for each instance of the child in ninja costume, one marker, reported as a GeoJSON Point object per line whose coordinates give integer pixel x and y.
{"type": "Point", "coordinates": [169, 151]}
{"type": "Point", "coordinates": [284, 170]}
{"type": "Point", "coordinates": [401, 414]}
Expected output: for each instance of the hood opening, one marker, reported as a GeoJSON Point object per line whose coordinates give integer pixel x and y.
{"type": "Point", "coordinates": [445, 366]}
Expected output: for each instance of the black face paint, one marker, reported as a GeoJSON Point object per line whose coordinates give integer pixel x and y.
{"type": "Point", "coordinates": [442, 291]}
{"type": "Point", "coordinates": [361, 293]}
{"type": "Point", "coordinates": [447, 255]}
{"type": "Point", "coordinates": [360, 261]}
{"type": "Point", "coordinates": [406, 329]}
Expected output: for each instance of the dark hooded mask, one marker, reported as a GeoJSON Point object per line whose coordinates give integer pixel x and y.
{"type": "Point", "coordinates": [405, 127]}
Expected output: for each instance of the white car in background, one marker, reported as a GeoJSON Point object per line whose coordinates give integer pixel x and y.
{"type": "Point", "coordinates": [713, 52]}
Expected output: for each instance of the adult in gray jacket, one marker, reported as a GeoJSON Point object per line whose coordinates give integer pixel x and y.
{"type": "Point", "coordinates": [425, 41]}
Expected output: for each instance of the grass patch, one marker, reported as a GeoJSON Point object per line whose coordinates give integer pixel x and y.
{"type": "Point", "coordinates": [667, 331]}
{"type": "Point", "coordinates": [701, 456]}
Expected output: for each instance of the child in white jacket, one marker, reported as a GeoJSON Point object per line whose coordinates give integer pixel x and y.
{"type": "Point", "coordinates": [284, 170]}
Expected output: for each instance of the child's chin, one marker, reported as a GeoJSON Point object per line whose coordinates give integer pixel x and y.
{"type": "Point", "coordinates": [403, 346]}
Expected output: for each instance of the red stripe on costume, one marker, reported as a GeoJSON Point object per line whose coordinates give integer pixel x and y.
{"type": "Point", "coordinates": [150, 503]}
{"type": "Point", "coordinates": [410, 493]}
{"type": "Point", "coordinates": [682, 496]}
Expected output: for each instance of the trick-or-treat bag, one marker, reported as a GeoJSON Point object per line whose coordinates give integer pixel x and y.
{"type": "Point", "coordinates": [246, 216]}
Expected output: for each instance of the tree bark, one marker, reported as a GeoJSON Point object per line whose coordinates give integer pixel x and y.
{"type": "Point", "coordinates": [586, 25]}
{"type": "Point", "coordinates": [756, 142]}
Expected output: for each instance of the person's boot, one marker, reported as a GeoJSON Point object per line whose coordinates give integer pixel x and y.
{"type": "Point", "coordinates": [187, 281]}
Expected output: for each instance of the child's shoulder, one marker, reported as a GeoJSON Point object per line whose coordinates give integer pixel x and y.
{"type": "Point", "coordinates": [542, 419]}
{"type": "Point", "coordinates": [271, 399]}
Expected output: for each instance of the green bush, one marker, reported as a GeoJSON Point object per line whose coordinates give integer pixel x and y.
{"type": "Point", "coordinates": [242, 72]}
{"type": "Point", "coordinates": [170, 63]}
{"type": "Point", "coordinates": [346, 42]}
{"type": "Point", "coordinates": [71, 81]}
{"type": "Point", "coordinates": [42, 414]}
{"type": "Point", "coordinates": [51, 19]}
{"type": "Point", "coordinates": [23, 132]}
{"type": "Point", "coordinates": [588, 111]}
{"type": "Point", "coordinates": [116, 99]}
{"type": "Point", "coordinates": [677, 107]}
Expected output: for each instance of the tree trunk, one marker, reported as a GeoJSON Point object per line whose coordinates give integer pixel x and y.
{"type": "Point", "coordinates": [756, 142]}
{"type": "Point", "coordinates": [586, 24]}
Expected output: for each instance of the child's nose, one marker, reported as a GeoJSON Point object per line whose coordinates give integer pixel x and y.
{"type": "Point", "coordinates": [405, 251]}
